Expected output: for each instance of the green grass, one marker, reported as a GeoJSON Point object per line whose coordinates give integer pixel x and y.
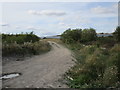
{"type": "Point", "coordinates": [96, 67]}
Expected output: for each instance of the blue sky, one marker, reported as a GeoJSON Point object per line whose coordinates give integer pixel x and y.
{"type": "Point", "coordinates": [53, 18]}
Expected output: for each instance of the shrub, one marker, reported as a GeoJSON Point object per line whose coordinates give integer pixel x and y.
{"type": "Point", "coordinates": [77, 35]}
{"type": "Point", "coordinates": [95, 67]}
{"type": "Point", "coordinates": [115, 58]}
{"type": "Point", "coordinates": [88, 35]}
{"type": "Point", "coordinates": [71, 36]}
{"type": "Point", "coordinates": [107, 42]}
{"type": "Point", "coordinates": [24, 49]}
{"type": "Point", "coordinates": [117, 34]}
{"type": "Point", "coordinates": [110, 76]}
{"type": "Point", "coordinates": [19, 38]}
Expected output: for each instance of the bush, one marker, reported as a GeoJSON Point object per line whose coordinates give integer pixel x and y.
{"type": "Point", "coordinates": [77, 35]}
{"type": "Point", "coordinates": [88, 35]}
{"type": "Point", "coordinates": [114, 58]}
{"type": "Point", "coordinates": [19, 38]}
{"type": "Point", "coordinates": [110, 76]}
{"type": "Point", "coordinates": [117, 34]}
{"type": "Point", "coordinates": [71, 36]}
{"type": "Point", "coordinates": [95, 67]}
{"type": "Point", "coordinates": [107, 42]}
{"type": "Point", "coordinates": [97, 62]}
{"type": "Point", "coordinates": [14, 49]}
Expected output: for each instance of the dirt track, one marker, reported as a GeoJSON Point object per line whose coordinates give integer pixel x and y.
{"type": "Point", "coordinates": [44, 71]}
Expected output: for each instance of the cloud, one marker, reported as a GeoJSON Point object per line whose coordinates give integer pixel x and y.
{"type": "Point", "coordinates": [103, 10]}
{"type": "Point", "coordinates": [17, 27]}
{"type": "Point", "coordinates": [66, 25]}
{"type": "Point", "coordinates": [47, 12]}
{"type": "Point", "coordinates": [61, 23]}
{"type": "Point", "coordinates": [4, 24]}
{"type": "Point", "coordinates": [31, 28]}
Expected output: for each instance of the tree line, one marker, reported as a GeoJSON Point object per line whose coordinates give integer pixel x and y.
{"type": "Point", "coordinates": [85, 35]}
{"type": "Point", "coordinates": [19, 38]}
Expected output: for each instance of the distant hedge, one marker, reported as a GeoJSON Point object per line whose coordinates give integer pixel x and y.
{"type": "Point", "coordinates": [19, 38]}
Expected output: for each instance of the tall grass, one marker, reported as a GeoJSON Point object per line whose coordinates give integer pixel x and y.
{"type": "Point", "coordinates": [23, 44]}
{"type": "Point", "coordinates": [96, 67]}
{"type": "Point", "coordinates": [25, 49]}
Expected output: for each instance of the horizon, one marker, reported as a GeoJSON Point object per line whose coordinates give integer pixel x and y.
{"type": "Point", "coordinates": [49, 19]}
{"type": "Point", "coordinates": [49, 35]}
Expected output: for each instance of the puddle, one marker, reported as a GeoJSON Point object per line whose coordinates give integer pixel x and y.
{"type": "Point", "coordinates": [9, 76]}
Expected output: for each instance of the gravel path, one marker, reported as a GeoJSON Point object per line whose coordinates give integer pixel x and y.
{"type": "Point", "coordinates": [44, 71]}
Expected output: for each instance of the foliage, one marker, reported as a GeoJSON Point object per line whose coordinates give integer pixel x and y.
{"type": "Point", "coordinates": [78, 35]}
{"type": "Point", "coordinates": [19, 38]}
{"type": "Point", "coordinates": [105, 41]}
{"type": "Point", "coordinates": [23, 44]}
{"type": "Point", "coordinates": [70, 36]}
{"type": "Point", "coordinates": [95, 67]}
{"type": "Point", "coordinates": [117, 33]}
{"type": "Point", "coordinates": [88, 35]}
{"type": "Point", "coordinates": [14, 49]}
{"type": "Point", "coordinates": [97, 59]}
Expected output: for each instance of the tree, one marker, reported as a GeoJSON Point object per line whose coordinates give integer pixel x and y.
{"type": "Point", "coordinates": [77, 35]}
{"type": "Point", "coordinates": [71, 36]}
{"type": "Point", "coordinates": [117, 34]}
{"type": "Point", "coordinates": [88, 35]}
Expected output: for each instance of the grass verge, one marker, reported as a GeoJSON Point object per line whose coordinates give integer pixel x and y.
{"type": "Point", "coordinates": [96, 67]}
{"type": "Point", "coordinates": [28, 48]}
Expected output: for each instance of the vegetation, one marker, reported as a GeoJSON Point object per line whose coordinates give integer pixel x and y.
{"type": "Point", "coordinates": [54, 40]}
{"type": "Point", "coordinates": [117, 33]}
{"type": "Point", "coordinates": [19, 38]}
{"type": "Point", "coordinates": [23, 44]}
{"type": "Point", "coordinates": [88, 35]}
{"type": "Point", "coordinates": [97, 61]}
{"type": "Point", "coordinates": [78, 35]}
{"type": "Point", "coordinates": [71, 36]}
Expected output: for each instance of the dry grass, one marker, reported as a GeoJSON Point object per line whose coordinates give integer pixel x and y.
{"type": "Point", "coordinates": [26, 48]}
{"type": "Point", "coordinates": [96, 67]}
{"type": "Point", "coordinates": [54, 40]}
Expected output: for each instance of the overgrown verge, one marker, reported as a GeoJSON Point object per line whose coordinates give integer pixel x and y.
{"type": "Point", "coordinates": [14, 49]}
{"type": "Point", "coordinates": [97, 59]}
{"type": "Point", "coordinates": [23, 45]}
{"type": "Point", "coordinates": [96, 67]}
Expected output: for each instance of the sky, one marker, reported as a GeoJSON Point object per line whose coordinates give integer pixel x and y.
{"type": "Point", "coordinates": [53, 18]}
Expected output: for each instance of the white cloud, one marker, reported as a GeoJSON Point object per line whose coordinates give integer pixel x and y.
{"type": "Point", "coordinates": [61, 23]}
{"type": "Point", "coordinates": [17, 27]}
{"type": "Point", "coordinates": [31, 28]}
{"type": "Point", "coordinates": [47, 12]}
{"type": "Point", "coordinates": [4, 24]}
{"type": "Point", "coordinates": [105, 10]}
